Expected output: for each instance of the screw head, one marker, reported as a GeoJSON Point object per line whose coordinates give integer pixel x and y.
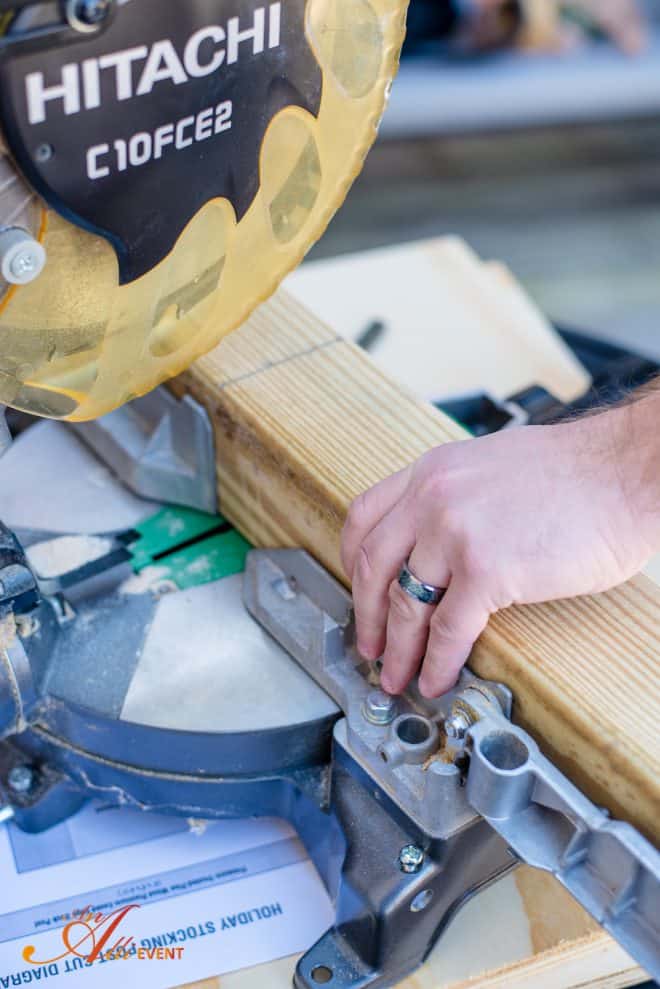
{"type": "Point", "coordinates": [86, 15]}
{"type": "Point", "coordinates": [411, 859]}
{"type": "Point", "coordinates": [20, 779]}
{"type": "Point", "coordinates": [379, 708]}
{"type": "Point", "coordinates": [44, 153]}
{"type": "Point", "coordinates": [457, 725]}
{"type": "Point", "coordinates": [22, 258]}
{"type": "Point", "coordinates": [24, 264]}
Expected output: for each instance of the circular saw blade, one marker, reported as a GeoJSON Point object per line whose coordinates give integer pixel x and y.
{"type": "Point", "coordinates": [92, 332]}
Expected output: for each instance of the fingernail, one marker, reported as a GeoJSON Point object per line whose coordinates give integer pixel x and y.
{"type": "Point", "coordinates": [387, 684]}
{"type": "Point", "coordinates": [367, 651]}
{"type": "Point", "coordinates": [426, 688]}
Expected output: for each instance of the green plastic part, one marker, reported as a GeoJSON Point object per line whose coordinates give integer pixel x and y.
{"type": "Point", "coordinates": [189, 547]}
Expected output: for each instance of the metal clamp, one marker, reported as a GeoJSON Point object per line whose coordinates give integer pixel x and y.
{"type": "Point", "coordinates": [606, 865]}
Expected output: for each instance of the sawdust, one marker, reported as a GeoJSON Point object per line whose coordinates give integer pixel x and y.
{"type": "Point", "coordinates": [7, 631]}
{"type": "Point", "coordinates": [143, 582]}
{"type": "Point", "coordinates": [200, 566]}
{"type": "Point", "coordinates": [66, 553]}
{"type": "Point", "coordinates": [175, 527]}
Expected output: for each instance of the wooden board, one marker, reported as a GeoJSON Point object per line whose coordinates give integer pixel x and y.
{"type": "Point", "coordinates": [454, 325]}
{"type": "Point", "coordinates": [304, 422]}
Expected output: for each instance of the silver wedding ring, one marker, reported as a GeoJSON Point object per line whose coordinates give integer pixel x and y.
{"type": "Point", "coordinates": [417, 589]}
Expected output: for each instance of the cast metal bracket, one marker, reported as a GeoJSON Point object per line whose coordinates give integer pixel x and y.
{"type": "Point", "coordinates": [607, 866]}
{"type": "Point", "coordinates": [161, 447]}
{"type": "Point", "coordinates": [444, 761]}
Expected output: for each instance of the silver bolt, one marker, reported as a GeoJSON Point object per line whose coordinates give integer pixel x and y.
{"type": "Point", "coordinates": [457, 725]}
{"type": "Point", "coordinates": [411, 859]}
{"type": "Point", "coordinates": [20, 779]}
{"type": "Point", "coordinates": [22, 258]}
{"type": "Point", "coordinates": [379, 708]}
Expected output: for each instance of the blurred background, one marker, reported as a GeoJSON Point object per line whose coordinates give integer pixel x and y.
{"type": "Point", "coordinates": [532, 130]}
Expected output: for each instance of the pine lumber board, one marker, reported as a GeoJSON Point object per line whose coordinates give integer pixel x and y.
{"type": "Point", "coordinates": [304, 422]}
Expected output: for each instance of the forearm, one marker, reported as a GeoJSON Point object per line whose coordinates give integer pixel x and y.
{"type": "Point", "coordinates": [643, 457]}
{"type": "Point", "coordinates": [637, 427]}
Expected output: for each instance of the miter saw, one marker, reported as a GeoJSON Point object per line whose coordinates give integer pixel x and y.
{"type": "Point", "coordinates": [164, 164]}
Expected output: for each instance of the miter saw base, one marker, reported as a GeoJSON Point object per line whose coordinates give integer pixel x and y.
{"type": "Point", "coordinates": [142, 666]}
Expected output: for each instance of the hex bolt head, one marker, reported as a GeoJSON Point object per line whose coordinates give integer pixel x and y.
{"type": "Point", "coordinates": [411, 859]}
{"type": "Point", "coordinates": [22, 258]}
{"type": "Point", "coordinates": [457, 725]}
{"type": "Point", "coordinates": [379, 708]}
{"type": "Point", "coordinates": [21, 779]}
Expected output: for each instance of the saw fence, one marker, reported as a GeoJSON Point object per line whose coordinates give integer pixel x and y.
{"type": "Point", "coordinates": [304, 422]}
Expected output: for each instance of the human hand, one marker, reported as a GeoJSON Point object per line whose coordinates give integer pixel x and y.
{"type": "Point", "coordinates": [522, 516]}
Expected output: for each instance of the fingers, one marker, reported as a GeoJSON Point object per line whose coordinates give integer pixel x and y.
{"type": "Point", "coordinates": [624, 22]}
{"type": "Point", "coordinates": [366, 512]}
{"type": "Point", "coordinates": [408, 620]}
{"type": "Point", "coordinates": [457, 623]}
{"type": "Point", "coordinates": [631, 37]}
{"type": "Point", "coordinates": [378, 562]}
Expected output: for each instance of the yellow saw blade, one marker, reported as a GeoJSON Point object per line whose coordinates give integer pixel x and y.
{"type": "Point", "coordinates": [78, 341]}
